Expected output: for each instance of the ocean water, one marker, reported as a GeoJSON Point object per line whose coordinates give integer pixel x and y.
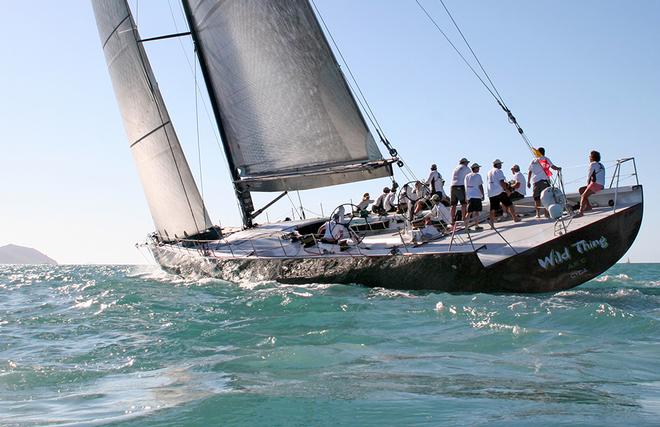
{"type": "Point", "coordinates": [130, 345]}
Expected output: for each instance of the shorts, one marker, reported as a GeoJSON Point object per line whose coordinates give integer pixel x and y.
{"type": "Point", "coordinates": [457, 195]}
{"type": "Point", "coordinates": [539, 186]}
{"type": "Point", "coordinates": [474, 205]}
{"type": "Point", "coordinates": [594, 187]}
{"type": "Point", "coordinates": [516, 196]}
{"type": "Point", "coordinates": [502, 198]}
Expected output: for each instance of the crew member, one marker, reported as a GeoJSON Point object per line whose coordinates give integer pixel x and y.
{"type": "Point", "coordinates": [457, 191]}
{"type": "Point", "coordinates": [538, 175]}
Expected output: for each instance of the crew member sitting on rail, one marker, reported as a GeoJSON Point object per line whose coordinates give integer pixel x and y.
{"type": "Point", "coordinates": [595, 182]}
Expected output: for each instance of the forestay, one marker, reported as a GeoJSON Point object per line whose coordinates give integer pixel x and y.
{"type": "Point", "coordinates": [174, 200]}
{"type": "Point", "coordinates": [287, 113]}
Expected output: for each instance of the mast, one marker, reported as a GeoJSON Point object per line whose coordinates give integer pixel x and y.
{"type": "Point", "coordinates": [243, 196]}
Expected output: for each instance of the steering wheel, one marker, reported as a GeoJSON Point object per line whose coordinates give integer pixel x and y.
{"type": "Point", "coordinates": [340, 208]}
{"type": "Point", "coordinates": [411, 184]}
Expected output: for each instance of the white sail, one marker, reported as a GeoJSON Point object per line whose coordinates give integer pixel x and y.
{"type": "Point", "coordinates": [288, 116]}
{"type": "Point", "coordinates": [174, 200]}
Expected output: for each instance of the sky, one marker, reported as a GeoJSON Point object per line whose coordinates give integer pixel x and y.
{"type": "Point", "coordinates": [578, 75]}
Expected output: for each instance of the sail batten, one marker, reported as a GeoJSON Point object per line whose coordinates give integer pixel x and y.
{"type": "Point", "coordinates": [174, 200]}
{"type": "Point", "coordinates": [282, 99]}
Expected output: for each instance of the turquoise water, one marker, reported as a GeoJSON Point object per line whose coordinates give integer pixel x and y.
{"type": "Point", "coordinates": [133, 346]}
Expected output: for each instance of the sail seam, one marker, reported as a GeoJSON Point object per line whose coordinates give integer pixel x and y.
{"type": "Point", "coordinates": [160, 114]}
{"type": "Point", "coordinates": [150, 133]}
{"type": "Point", "coordinates": [114, 30]}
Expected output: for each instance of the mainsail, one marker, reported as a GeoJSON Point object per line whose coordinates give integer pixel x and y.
{"type": "Point", "coordinates": [285, 110]}
{"type": "Point", "coordinates": [174, 200]}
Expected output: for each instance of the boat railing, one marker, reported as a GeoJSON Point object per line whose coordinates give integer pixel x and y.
{"type": "Point", "coordinates": [617, 176]}
{"type": "Point", "coordinates": [617, 170]}
{"type": "Point", "coordinates": [206, 247]}
{"type": "Point", "coordinates": [560, 225]}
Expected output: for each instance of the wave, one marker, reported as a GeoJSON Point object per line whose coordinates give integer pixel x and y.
{"type": "Point", "coordinates": [121, 397]}
{"type": "Point", "coordinates": [390, 293]}
{"type": "Point", "coordinates": [480, 318]}
{"type": "Point", "coordinates": [622, 277]}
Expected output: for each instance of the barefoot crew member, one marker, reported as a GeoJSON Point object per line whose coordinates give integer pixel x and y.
{"type": "Point", "coordinates": [595, 182]}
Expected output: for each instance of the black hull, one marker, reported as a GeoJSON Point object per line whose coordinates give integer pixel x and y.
{"type": "Point", "coordinates": [562, 263]}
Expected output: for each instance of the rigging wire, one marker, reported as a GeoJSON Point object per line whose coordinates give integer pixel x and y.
{"type": "Point", "coordinates": [492, 89]}
{"type": "Point", "coordinates": [193, 71]}
{"type": "Point", "coordinates": [293, 205]}
{"type": "Point", "coordinates": [199, 149]}
{"type": "Point", "coordinates": [198, 92]}
{"type": "Point", "coordinates": [361, 98]}
{"type": "Point", "coordinates": [369, 112]}
{"type": "Point", "coordinates": [437, 26]}
{"type": "Point", "coordinates": [473, 54]}
{"type": "Point", "coordinates": [302, 209]}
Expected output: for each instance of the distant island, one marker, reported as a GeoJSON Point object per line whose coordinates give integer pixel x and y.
{"type": "Point", "coordinates": [14, 254]}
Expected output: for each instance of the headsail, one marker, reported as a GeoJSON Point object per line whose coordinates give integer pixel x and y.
{"type": "Point", "coordinates": [174, 200]}
{"type": "Point", "coordinates": [287, 114]}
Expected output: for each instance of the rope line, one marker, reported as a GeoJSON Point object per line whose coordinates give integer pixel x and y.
{"type": "Point", "coordinates": [361, 98]}
{"type": "Point", "coordinates": [433, 21]}
{"type": "Point", "coordinates": [369, 111]}
{"type": "Point", "coordinates": [492, 89]}
{"type": "Point", "coordinates": [199, 149]}
{"type": "Point", "coordinates": [472, 51]}
{"type": "Point", "coordinates": [193, 71]}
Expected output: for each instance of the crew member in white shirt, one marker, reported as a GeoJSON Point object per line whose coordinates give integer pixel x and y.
{"type": "Point", "coordinates": [382, 204]}
{"type": "Point", "coordinates": [474, 191]}
{"type": "Point", "coordinates": [435, 182]}
{"type": "Point", "coordinates": [333, 230]}
{"type": "Point", "coordinates": [405, 199]}
{"type": "Point", "coordinates": [539, 179]}
{"type": "Point", "coordinates": [439, 213]}
{"type": "Point", "coordinates": [389, 204]}
{"type": "Point", "coordinates": [595, 181]}
{"type": "Point", "coordinates": [518, 184]}
{"type": "Point", "coordinates": [498, 192]}
{"type": "Point", "coordinates": [457, 191]}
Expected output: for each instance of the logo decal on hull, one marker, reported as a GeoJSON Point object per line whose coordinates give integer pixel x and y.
{"type": "Point", "coordinates": [557, 257]}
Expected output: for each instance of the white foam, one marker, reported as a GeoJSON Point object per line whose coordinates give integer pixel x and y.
{"type": "Point", "coordinates": [614, 278]}
{"type": "Point", "coordinates": [390, 293]}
